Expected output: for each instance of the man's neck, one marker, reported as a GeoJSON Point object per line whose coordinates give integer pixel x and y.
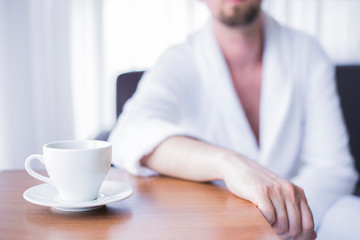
{"type": "Point", "coordinates": [241, 46]}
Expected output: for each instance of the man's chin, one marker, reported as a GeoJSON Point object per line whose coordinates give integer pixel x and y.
{"type": "Point", "coordinates": [237, 16]}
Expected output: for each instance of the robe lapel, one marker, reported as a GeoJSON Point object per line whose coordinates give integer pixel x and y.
{"type": "Point", "coordinates": [276, 94]}
{"type": "Point", "coordinates": [213, 69]}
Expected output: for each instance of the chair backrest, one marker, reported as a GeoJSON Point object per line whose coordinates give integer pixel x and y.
{"type": "Point", "coordinates": [126, 84]}
{"type": "Point", "coordinates": [125, 87]}
{"type": "Point", "coordinates": [348, 83]}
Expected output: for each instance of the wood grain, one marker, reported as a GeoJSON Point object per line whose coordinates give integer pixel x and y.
{"type": "Point", "coordinates": [161, 208]}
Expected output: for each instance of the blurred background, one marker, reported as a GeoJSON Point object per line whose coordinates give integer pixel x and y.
{"type": "Point", "coordinates": [59, 59]}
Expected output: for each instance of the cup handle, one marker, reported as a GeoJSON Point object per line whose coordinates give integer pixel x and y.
{"type": "Point", "coordinates": [32, 172]}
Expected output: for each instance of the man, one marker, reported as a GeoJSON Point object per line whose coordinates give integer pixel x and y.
{"type": "Point", "coordinates": [252, 103]}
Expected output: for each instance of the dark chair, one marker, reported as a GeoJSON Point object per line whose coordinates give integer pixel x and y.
{"type": "Point", "coordinates": [348, 83]}
{"type": "Point", "coordinates": [126, 84]}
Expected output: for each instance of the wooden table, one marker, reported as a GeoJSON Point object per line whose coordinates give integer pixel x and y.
{"type": "Point", "coordinates": [160, 208]}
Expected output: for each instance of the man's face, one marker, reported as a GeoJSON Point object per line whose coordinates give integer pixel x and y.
{"type": "Point", "coordinates": [234, 13]}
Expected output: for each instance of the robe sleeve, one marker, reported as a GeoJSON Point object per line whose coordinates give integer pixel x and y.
{"type": "Point", "coordinates": [153, 114]}
{"type": "Point", "coordinates": [327, 170]}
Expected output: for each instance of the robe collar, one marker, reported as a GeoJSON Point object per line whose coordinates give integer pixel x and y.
{"type": "Point", "coordinates": [275, 95]}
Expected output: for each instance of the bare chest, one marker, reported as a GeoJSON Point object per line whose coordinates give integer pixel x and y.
{"type": "Point", "coordinates": [247, 84]}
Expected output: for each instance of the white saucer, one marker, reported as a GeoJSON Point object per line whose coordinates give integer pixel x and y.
{"type": "Point", "coordinates": [47, 195]}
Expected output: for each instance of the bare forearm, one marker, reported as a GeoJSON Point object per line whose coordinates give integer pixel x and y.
{"type": "Point", "coordinates": [282, 203]}
{"type": "Point", "coordinates": [187, 158]}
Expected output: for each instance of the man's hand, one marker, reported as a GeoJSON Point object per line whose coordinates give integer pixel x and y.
{"type": "Point", "coordinates": [282, 203]}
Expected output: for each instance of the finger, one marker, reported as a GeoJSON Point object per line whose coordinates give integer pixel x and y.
{"type": "Point", "coordinates": [307, 221]}
{"type": "Point", "coordinates": [281, 224]}
{"type": "Point", "coordinates": [267, 209]}
{"type": "Point", "coordinates": [302, 229]}
{"type": "Point", "coordinates": [295, 219]}
{"type": "Point", "coordinates": [314, 235]}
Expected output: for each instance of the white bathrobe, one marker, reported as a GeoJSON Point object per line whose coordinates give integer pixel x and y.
{"type": "Point", "coordinates": [190, 92]}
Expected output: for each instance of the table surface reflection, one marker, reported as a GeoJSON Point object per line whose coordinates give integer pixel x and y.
{"type": "Point", "coordinates": [160, 208]}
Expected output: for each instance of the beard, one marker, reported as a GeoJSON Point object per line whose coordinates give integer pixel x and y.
{"type": "Point", "coordinates": [239, 16]}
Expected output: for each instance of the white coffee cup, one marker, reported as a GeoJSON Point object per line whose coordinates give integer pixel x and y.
{"type": "Point", "coordinates": [76, 168]}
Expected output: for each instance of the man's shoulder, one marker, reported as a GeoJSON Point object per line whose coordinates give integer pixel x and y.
{"type": "Point", "coordinates": [178, 57]}
{"type": "Point", "coordinates": [288, 35]}
{"type": "Point", "coordinates": [175, 64]}
{"type": "Point", "coordinates": [178, 54]}
{"type": "Point", "coordinates": [294, 46]}
{"type": "Point", "coordinates": [194, 40]}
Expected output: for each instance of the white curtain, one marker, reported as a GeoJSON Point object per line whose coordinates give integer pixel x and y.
{"type": "Point", "coordinates": [335, 23]}
{"type": "Point", "coordinates": [87, 67]}
{"type": "Point", "coordinates": [136, 32]}
{"type": "Point", "coordinates": [35, 96]}
{"type": "Point", "coordinates": [59, 59]}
